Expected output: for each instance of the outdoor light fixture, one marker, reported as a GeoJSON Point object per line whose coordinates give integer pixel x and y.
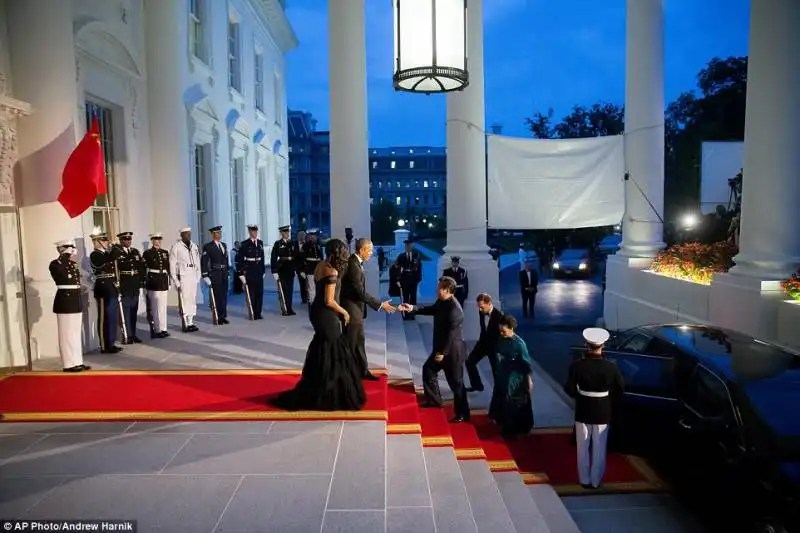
{"type": "Point", "coordinates": [430, 46]}
{"type": "Point", "coordinates": [401, 222]}
{"type": "Point", "coordinates": [689, 221]}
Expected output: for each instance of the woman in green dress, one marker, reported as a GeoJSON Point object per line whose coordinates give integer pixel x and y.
{"type": "Point", "coordinates": [511, 398]}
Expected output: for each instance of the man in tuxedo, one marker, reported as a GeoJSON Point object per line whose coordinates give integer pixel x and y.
{"type": "Point", "coordinates": [528, 285]}
{"type": "Point", "coordinates": [448, 349]}
{"type": "Point", "coordinates": [355, 298]}
{"type": "Point", "coordinates": [489, 317]}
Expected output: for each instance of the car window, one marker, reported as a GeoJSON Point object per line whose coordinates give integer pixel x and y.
{"type": "Point", "coordinates": [707, 395]}
{"type": "Point", "coordinates": [661, 347]}
{"type": "Point", "coordinates": [636, 343]}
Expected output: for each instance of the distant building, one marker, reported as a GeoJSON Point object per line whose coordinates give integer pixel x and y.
{"type": "Point", "coordinates": [411, 178]}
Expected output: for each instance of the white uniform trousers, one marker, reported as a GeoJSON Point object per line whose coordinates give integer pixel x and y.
{"type": "Point", "coordinates": [70, 332]}
{"type": "Point", "coordinates": [158, 306]}
{"type": "Point", "coordinates": [594, 436]}
{"type": "Point", "coordinates": [189, 294]}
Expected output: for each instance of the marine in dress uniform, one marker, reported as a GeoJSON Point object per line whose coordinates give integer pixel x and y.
{"type": "Point", "coordinates": [214, 268]}
{"type": "Point", "coordinates": [299, 259]}
{"type": "Point", "coordinates": [103, 261]}
{"type": "Point", "coordinates": [155, 262]}
{"type": "Point", "coordinates": [410, 275]}
{"type": "Point", "coordinates": [282, 266]}
{"type": "Point", "coordinates": [594, 383]}
{"type": "Point", "coordinates": [251, 266]}
{"type": "Point", "coordinates": [131, 279]}
{"type": "Point", "coordinates": [458, 273]}
{"type": "Point", "coordinates": [68, 307]}
{"type": "Point", "coordinates": [312, 254]}
{"type": "Point", "coordinates": [184, 269]}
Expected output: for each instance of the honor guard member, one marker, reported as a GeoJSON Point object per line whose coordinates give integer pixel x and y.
{"type": "Point", "coordinates": [410, 275]}
{"type": "Point", "coordinates": [106, 291]}
{"type": "Point", "coordinates": [214, 266]}
{"type": "Point", "coordinates": [594, 383]}
{"type": "Point", "coordinates": [299, 261]}
{"type": "Point", "coordinates": [251, 266]}
{"type": "Point", "coordinates": [131, 280]}
{"type": "Point", "coordinates": [282, 266]}
{"type": "Point", "coordinates": [156, 268]}
{"type": "Point", "coordinates": [458, 273]}
{"type": "Point", "coordinates": [312, 254]}
{"type": "Point", "coordinates": [184, 269]}
{"type": "Point", "coordinates": [68, 307]}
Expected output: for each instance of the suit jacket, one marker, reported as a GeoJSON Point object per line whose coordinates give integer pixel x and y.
{"type": "Point", "coordinates": [448, 326]}
{"type": "Point", "coordinates": [491, 333]}
{"type": "Point", "coordinates": [353, 295]}
{"type": "Point", "coordinates": [523, 280]}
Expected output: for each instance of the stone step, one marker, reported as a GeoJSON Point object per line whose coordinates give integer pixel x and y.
{"type": "Point", "coordinates": [555, 513]}
{"type": "Point", "coordinates": [525, 514]}
{"type": "Point", "coordinates": [488, 508]}
{"type": "Point", "coordinates": [452, 511]}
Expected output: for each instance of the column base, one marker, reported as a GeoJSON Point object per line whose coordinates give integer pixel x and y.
{"type": "Point", "coordinates": [483, 276]}
{"type": "Point", "coordinates": [746, 304]}
{"type": "Point", "coordinates": [634, 249]}
{"type": "Point", "coordinates": [761, 268]}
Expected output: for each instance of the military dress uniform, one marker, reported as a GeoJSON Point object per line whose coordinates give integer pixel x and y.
{"type": "Point", "coordinates": [459, 274]}
{"type": "Point", "coordinates": [106, 293]}
{"type": "Point", "coordinates": [68, 307]}
{"type": "Point", "coordinates": [155, 262]}
{"type": "Point", "coordinates": [131, 280]}
{"type": "Point", "coordinates": [312, 254]}
{"type": "Point", "coordinates": [184, 269]}
{"type": "Point", "coordinates": [214, 267]}
{"type": "Point", "coordinates": [251, 263]}
{"type": "Point", "coordinates": [410, 277]}
{"type": "Point", "coordinates": [282, 266]}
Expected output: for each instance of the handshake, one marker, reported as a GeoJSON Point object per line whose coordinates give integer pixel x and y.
{"type": "Point", "coordinates": [405, 308]}
{"type": "Point", "coordinates": [387, 306]}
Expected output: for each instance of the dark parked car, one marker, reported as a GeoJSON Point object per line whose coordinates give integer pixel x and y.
{"type": "Point", "coordinates": [573, 262]}
{"type": "Point", "coordinates": [722, 410]}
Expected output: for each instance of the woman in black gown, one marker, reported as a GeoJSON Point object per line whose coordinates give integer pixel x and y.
{"type": "Point", "coordinates": [331, 379]}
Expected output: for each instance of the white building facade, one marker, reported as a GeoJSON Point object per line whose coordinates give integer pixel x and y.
{"type": "Point", "coordinates": [191, 99]}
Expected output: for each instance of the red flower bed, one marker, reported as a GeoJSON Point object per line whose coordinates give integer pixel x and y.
{"type": "Point", "coordinates": [694, 261]}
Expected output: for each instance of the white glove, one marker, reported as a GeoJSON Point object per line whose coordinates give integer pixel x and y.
{"type": "Point", "coordinates": [242, 279]}
{"type": "Point", "coordinates": [303, 275]}
{"type": "Point", "coordinates": [177, 284]}
{"type": "Point", "coordinates": [207, 281]}
{"type": "Point", "coordinates": [275, 276]}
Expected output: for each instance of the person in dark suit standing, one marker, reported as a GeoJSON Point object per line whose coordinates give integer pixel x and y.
{"type": "Point", "coordinates": [355, 299]}
{"type": "Point", "coordinates": [410, 275]}
{"type": "Point", "coordinates": [528, 285]}
{"type": "Point", "coordinates": [68, 307]}
{"type": "Point", "coordinates": [214, 266]}
{"type": "Point", "coordinates": [251, 267]}
{"type": "Point", "coordinates": [448, 349]}
{"type": "Point", "coordinates": [490, 317]}
{"type": "Point", "coordinates": [458, 273]}
{"type": "Point", "coordinates": [394, 281]}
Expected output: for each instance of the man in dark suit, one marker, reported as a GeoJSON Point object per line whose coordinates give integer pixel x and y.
{"type": "Point", "coordinates": [355, 298]}
{"type": "Point", "coordinates": [528, 285]}
{"type": "Point", "coordinates": [448, 349]}
{"type": "Point", "coordinates": [214, 265]}
{"type": "Point", "coordinates": [489, 317]}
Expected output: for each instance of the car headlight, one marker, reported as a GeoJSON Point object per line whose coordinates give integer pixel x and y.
{"type": "Point", "coordinates": [555, 266]}
{"type": "Point", "coordinates": [582, 266]}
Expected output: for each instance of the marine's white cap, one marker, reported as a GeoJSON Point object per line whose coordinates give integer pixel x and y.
{"type": "Point", "coordinates": [184, 230]}
{"type": "Point", "coordinates": [157, 235]}
{"type": "Point", "coordinates": [64, 244]}
{"type": "Point", "coordinates": [596, 336]}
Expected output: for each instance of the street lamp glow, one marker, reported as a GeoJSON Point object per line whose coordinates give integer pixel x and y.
{"type": "Point", "coordinates": [689, 221]}
{"type": "Point", "coordinates": [430, 45]}
{"type": "Point", "coordinates": [401, 222]}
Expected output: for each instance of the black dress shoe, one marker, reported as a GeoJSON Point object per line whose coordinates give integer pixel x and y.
{"type": "Point", "coordinates": [111, 349]}
{"type": "Point", "coordinates": [192, 328]}
{"type": "Point", "coordinates": [86, 367]}
{"type": "Point", "coordinates": [587, 486]}
{"type": "Point", "coordinates": [78, 368]}
{"type": "Point", "coordinates": [459, 419]}
{"type": "Point", "coordinates": [429, 405]}
{"type": "Point", "coordinates": [369, 376]}
{"type": "Point", "coordinates": [163, 334]}
{"type": "Point", "coordinates": [291, 313]}
{"type": "Point", "coordinates": [258, 317]}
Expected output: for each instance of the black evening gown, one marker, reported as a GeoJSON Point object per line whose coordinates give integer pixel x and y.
{"type": "Point", "coordinates": [331, 379]}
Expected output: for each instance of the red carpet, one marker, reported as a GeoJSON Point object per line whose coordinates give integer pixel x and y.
{"type": "Point", "coordinates": [403, 413]}
{"type": "Point", "coordinates": [435, 427]}
{"type": "Point", "coordinates": [548, 456]}
{"type": "Point", "coordinates": [165, 395]}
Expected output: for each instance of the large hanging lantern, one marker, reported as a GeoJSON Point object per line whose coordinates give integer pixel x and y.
{"type": "Point", "coordinates": [430, 45]}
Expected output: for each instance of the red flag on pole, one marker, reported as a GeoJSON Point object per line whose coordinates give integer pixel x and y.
{"type": "Point", "coordinates": [84, 174]}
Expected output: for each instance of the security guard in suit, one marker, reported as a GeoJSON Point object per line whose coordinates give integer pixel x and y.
{"type": "Point", "coordinates": [251, 266]}
{"type": "Point", "coordinates": [131, 280]}
{"type": "Point", "coordinates": [311, 252]}
{"type": "Point", "coordinates": [282, 265]}
{"type": "Point", "coordinates": [68, 307]}
{"type": "Point", "coordinates": [410, 276]}
{"type": "Point", "coordinates": [214, 269]}
{"type": "Point", "coordinates": [103, 261]}
{"type": "Point", "coordinates": [459, 274]}
{"type": "Point", "coordinates": [155, 263]}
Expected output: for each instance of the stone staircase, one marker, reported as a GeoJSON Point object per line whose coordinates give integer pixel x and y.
{"type": "Point", "coordinates": [463, 494]}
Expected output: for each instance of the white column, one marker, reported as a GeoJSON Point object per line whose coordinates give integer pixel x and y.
{"type": "Point", "coordinates": [769, 241]}
{"type": "Point", "coordinates": [466, 177]}
{"type": "Point", "coordinates": [166, 58]}
{"type": "Point", "coordinates": [43, 71]}
{"type": "Point", "coordinates": [642, 228]}
{"type": "Point", "coordinates": [347, 56]}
